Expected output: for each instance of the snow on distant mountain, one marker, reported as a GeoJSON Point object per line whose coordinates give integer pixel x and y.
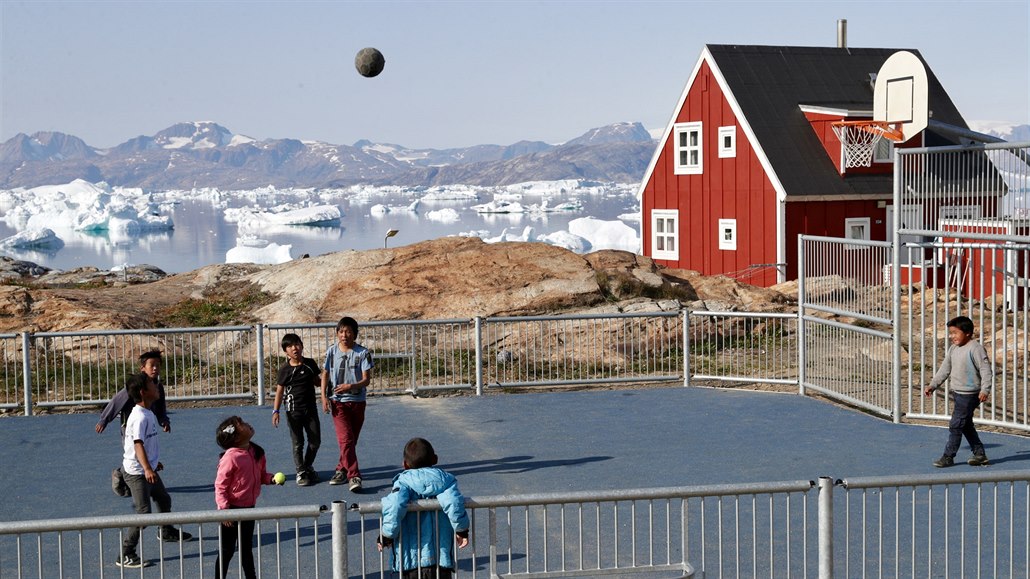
{"type": "Point", "coordinates": [1003, 130]}
{"type": "Point", "coordinates": [206, 154]}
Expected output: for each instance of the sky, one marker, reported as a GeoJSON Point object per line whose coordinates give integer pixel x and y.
{"type": "Point", "coordinates": [457, 73]}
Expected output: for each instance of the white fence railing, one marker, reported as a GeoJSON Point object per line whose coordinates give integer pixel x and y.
{"type": "Point", "coordinates": [240, 362]}
{"type": "Point", "coordinates": [950, 525]}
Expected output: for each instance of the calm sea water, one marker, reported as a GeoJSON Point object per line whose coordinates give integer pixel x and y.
{"type": "Point", "coordinates": [202, 236]}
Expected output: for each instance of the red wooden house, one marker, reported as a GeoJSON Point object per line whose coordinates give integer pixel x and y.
{"type": "Point", "coordinates": [749, 160]}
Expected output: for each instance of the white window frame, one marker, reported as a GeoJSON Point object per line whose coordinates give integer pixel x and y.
{"type": "Point", "coordinates": [727, 151]}
{"type": "Point", "coordinates": [959, 212]}
{"type": "Point", "coordinates": [883, 152]}
{"type": "Point", "coordinates": [695, 146]}
{"type": "Point", "coordinates": [850, 222]}
{"type": "Point", "coordinates": [728, 242]}
{"type": "Point", "coordinates": [664, 215]}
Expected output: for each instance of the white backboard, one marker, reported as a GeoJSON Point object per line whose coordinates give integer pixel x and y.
{"type": "Point", "coordinates": [901, 94]}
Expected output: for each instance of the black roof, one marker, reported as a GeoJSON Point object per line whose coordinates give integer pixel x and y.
{"type": "Point", "coordinates": [771, 82]}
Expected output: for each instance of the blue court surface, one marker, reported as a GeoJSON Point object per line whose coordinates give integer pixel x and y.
{"type": "Point", "coordinates": [56, 466]}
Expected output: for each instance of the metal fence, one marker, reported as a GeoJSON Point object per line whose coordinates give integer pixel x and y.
{"type": "Point", "coordinates": [963, 243]}
{"type": "Point", "coordinates": [290, 541]}
{"type": "Point", "coordinates": [241, 362]}
{"type": "Point", "coordinates": [942, 525]}
{"type": "Point", "coordinates": [851, 362]}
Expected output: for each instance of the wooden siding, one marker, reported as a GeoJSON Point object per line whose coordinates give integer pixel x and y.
{"type": "Point", "coordinates": [728, 188]}
{"type": "Point", "coordinates": [827, 218]}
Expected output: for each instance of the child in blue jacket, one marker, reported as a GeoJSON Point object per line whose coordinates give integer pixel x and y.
{"type": "Point", "coordinates": [414, 536]}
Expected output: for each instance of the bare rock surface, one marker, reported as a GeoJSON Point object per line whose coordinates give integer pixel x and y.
{"type": "Point", "coordinates": [445, 278]}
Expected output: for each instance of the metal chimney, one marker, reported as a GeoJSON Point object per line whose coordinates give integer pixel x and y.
{"type": "Point", "coordinates": [842, 33]}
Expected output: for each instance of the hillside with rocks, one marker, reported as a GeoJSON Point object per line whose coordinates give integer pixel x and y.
{"type": "Point", "coordinates": [439, 279]}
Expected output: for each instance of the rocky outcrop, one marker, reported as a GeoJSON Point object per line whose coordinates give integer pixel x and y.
{"type": "Point", "coordinates": [447, 278]}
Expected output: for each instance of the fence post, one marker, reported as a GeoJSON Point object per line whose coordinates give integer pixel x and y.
{"type": "Point", "coordinates": [339, 529]}
{"type": "Point", "coordinates": [26, 367]}
{"type": "Point", "coordinates": [686, 347]}
{"type": "Point", "coordinates": [802, 359]}
{"type": "Point", "coordinates": [260, 329]}
{"type": "Point", "coordinates": [896, 295]}
{"type": "Point", "coordinates": [479, 355]}
{"type": "Point", "coordinates": [825, 527]}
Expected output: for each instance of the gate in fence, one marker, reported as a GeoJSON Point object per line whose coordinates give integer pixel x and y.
{"type": "Point", "coordinates": [851, 362]}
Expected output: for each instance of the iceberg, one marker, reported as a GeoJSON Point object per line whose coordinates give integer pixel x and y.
{"type": "Point", "coordinates": [446, 215]}
{"type": "Point", "coordinates": [36, 238]}
{"type": "Point", "coordinates": [261, 251]}
{"type": "Point", "coordinates": [605, 234]}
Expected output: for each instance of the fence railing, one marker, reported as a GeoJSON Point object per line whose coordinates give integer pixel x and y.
{"type": "Point", "coordinates": [291, 541]}
{"type": "Point", "coordinates": [49, 369]}
{"type": "Point", "coordinates": [942, 525]}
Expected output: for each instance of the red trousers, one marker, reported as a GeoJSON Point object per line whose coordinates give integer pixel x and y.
{"type": "Point", "coordinates": [348, 418]}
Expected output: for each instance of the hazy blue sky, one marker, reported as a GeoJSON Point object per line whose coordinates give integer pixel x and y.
{"type": "Point", "coordinates": [457, 73]}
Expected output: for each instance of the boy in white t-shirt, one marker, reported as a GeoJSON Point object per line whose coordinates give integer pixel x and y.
{"type": "Point", "coordinates": [140, 465]}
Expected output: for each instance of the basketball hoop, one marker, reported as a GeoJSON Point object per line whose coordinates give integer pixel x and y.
{"type": "Point", "coordinates": [859, 139]}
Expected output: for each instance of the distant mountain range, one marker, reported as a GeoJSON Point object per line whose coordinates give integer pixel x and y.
{"type": "Point", "coordinates": [206, 154]}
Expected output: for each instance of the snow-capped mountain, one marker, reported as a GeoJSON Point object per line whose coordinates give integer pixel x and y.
{"type": "Point", "coordinates": [1008, 131]}
{"type": "Point", "coordinates": [206, 154]}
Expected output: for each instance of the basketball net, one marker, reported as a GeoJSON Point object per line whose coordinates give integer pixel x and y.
{"type": "Point", "coordinates": [859, 139]}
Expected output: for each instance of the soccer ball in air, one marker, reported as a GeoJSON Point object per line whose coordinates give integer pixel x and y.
{"type": "Point", "coordinates": [369, 62]}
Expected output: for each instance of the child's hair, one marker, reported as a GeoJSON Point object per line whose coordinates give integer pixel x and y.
{"type": "Point", "coordinates": [347, 322]}
{"type": "Point", "coordinates": [149, 355]}
{"type": "Point", "coordinates": [964, 324]}
{"type": "Point", "coordinates": [225, 436]}
{"type": "Point", "coordinates": [134, 386]}
{"type": "Point", "coordinates": [291, 340]}
{"type": "Point", "coordinates": [228, 433]}
{"type": "Point", "coordinates": [419, 453]}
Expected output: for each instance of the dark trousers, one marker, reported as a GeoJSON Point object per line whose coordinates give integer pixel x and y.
{"type": "Point", "coordinates": [348, 418]}
{"type": "Point", "coordinates": [434, 572]}
{"type": "Point", "coordinates": [962, 425]}
{"type": "Point", "coordinates": [227, 536]}
{"type": "Point", "coordinates": [142, 492]}
{"type": "Point", "coordinates": [304, 423]}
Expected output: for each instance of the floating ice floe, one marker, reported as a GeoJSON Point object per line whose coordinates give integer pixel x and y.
{"type": "Point", "coordinates": [446, 215]}
{"type": "Point", "coordinates": [380, 209]}
{"type": "Point", "coordinates": [36, 238]}
{"type": "Point", "coordinates": [261, 251]}
{"type": "Point", "coordinates": [605, 234]}
{"type": "Point", "coordinates": [250, 218]}
{"type": "Point", "coordinates": [83, 206]}
{"type": "Point", "coordinates": [452, 193]}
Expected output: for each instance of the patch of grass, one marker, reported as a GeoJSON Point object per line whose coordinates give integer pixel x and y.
{"type": "Point", "coordinates": [226, 305]}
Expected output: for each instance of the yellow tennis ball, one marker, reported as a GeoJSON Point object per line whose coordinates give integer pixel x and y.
{"type": "Point", "coordinates": [279, 478]}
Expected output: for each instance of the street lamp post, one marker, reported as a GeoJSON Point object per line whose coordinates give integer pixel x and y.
{"type": "Point", "coordinates": [390, 233]}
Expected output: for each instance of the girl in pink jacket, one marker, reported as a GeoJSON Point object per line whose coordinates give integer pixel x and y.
{"type": "Point", "coordinates": [241, 472]}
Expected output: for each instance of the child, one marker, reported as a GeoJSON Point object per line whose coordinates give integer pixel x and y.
{"type": "Point", "coordinates": [121, 406]}
{"type": "Point", "coordinates": [241, 472]}
{"type": "Point", "coordinates": [413, 536]}
{"type": "Point", "coordinates": [297, 382]}
{"type": "Point", "coordinates": [345, 375]}
{"type": "Point", "coordinates": [969, 371]}
{"type": "Point", "coordinates": [140, 465]}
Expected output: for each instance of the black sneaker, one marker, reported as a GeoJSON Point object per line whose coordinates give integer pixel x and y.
{"type": "Point", "coordinates": [978, 459]}
{"type": "Point", "coordinates": [944, 461]}
{"type": "Point", "coordinates": [339, 478]}
{"type": "Point", "coordinates": [118, 483]}
{"type": "Point", "coordinates": [313, 476]}
{"type": "Point", "coordinates": [130, 561]}
{"type": "Point", "coordinates": [302, 479]}
{"type": "Point", "coordinates": [175, 535]}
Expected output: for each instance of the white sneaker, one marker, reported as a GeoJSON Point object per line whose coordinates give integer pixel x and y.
{"type": "Point", "coordinates": [355, 484]}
